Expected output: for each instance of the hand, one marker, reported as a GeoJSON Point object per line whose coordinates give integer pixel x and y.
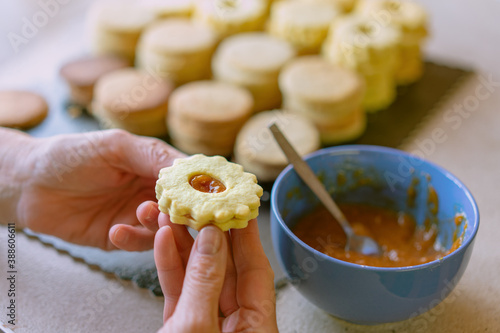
{"type": "Point", "coordinates": [221, 282]}
{"type": "Point", "coordinates": [80, 185]}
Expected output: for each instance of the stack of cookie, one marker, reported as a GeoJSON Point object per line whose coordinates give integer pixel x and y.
{"type": "Point", "coordinates": [132, 100]}
{"type": "Point", "coordinates": [115, 28]}
{"type": "Point", "coordinates": [328, 95]}
{"type": "Point", "coordinates": [302, 23]}
{"type": "Point", "coordinates": [259, 153]}
{"type": "Point", "coordinates": [165, 9]}
{"type": "Point", "coordinates": [253, 61]}
{"type": "Point", "coordinates": [205, 116]}
{"type": "Point", "coordinates": [229, 17]}
{"type": "Point", "coordinates": [345, 6]}
{"type": "Point", "coordinates": [364, 45]}
{"type": "Point", "coordinates": [82, 74]}
{"type": "Point", "coordinates": [177, 49]}
{"type": "Point", "coordinates": [411, 19]}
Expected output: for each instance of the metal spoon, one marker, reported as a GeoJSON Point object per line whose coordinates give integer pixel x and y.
{"type": "Point", "coordinates": [356, 243]}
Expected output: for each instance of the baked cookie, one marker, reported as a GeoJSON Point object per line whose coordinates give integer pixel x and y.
{"type": "Point", "coordinates": [328, 95]}
{"type": "Point", "coordinates": [166, 9]}
{"type": "Point", "coordinates": [177, 49]}
{"type": "Point", "coordinates": [132, 100]}
{"type": "Point", "coordinates": [205, 116]}
{"type": "Point", "coordinates": [115, 27]}
{"type": "Point", "coordinates": [229, 17]}
{"type": "Point", "coordinates": [412, 21]}
{"type": "Point", "coordinates": [253, 61]}
{"type": "Point", "coordinates": [82, 74]}
{"type": "Point", "coordinates": [363, 45]}
{"type": "Point", "coordinates": [22, 109]}
{"type": "Point", "coordinates": [200, 190]}
{"type": "Point", "coordinates": [259, 153]}
{"type": "Point", "coordinates": [345, 6]}
{"type": "Point", "coordinates": [302, 23]}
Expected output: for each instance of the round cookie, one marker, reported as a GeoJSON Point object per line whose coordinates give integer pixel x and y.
{"type": "Point", "coordinates": [361, 44]}
{"type": "Point", "coordinates": [115, 27]}
{"type": "Point", "coordinates": [253, 61]}
{"type": "Point", "coordinates": [205, 116]}
{"type": "Point", "coordinates": [166, 9]}
{"type": "Point", "coordinates": [259, 153]}
{"type": "Point", "coordinates": [200, 190]}
{"type": "Point", "coordinates": [177, 49]}
{"type": "Point", "coordinates": [132, 100]}
{"type": "Point", "coordinates": [229, 17]}
{"type": "Point", "coordinates": [328, 95]}
{"type": "Point", "coordinates": [82, 74]}
{"type": "Point", "coordinates": [302, 23]}
{"type": "Point", "coordinates": [22, 109]}
{"type": "Point", "coordinates": [412, 21]}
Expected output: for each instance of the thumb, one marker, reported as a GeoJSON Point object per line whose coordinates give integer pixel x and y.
{"type": "Point", "coordinates": [204, 278]}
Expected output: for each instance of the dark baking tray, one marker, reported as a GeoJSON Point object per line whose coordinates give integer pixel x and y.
{"type": "Point", "coordinates": [389, 127]}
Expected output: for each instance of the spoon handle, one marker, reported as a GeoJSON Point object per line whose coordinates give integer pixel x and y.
{"type": "Point", "coordinates": [308, 176]}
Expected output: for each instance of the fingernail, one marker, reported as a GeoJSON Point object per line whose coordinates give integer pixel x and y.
{"type": "Point", "coordinates": [209, 240]}
{"type": "Point", "coordinates": [121, 236]}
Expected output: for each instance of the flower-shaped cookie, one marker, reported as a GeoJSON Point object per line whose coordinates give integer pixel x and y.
{"type": "Point", "coordinates": [201, 190]}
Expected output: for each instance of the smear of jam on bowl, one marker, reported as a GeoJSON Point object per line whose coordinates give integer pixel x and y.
{"type": "Point", "coordinates": [402, 241]}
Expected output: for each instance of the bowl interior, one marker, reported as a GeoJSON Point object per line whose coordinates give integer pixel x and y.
{"type": "Point", "coordinates": [383, 177]}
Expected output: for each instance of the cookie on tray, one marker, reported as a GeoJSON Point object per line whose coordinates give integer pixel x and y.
{"type": "Point", "coordinates": [304, 24]}
{"type": "Point", "coordinates": [22, 109]}
{"type": "Point", "coordinates": [328, 95]}
{"type": "Point", "coordinates": [200, 190]}
{"type": "Point", "coordinates": [133, 100]}
{"type": "Point", "coordinates": [253, 61]}
{"type": "Point", "coordinates": [229, 17]}
{"type": "Point", "coordinates": [259, 153]}
{"type": "Point", "coordinates": [166, 9]}
{"type": "Point", "coordinates": [412, 20]}
{"type": "Point", "coordinates": [205, 116]}
{"type": "Point", "coordinates": [363, 45]}
{"type": "Point", "coordinates": [115, 27]}
{"type": "Point", "coordinates": [82, 74]}
{"type": "Point", "coordinates": [177, 49]}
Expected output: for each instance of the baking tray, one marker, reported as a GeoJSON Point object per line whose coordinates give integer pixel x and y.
{"type": "Point", "coordinates": [390, 127]}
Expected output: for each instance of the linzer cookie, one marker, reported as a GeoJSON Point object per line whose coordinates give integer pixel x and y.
{"type": "Point", "coordinates": [363, 45]}
{"type": "Point", "coordinates": [411, 19]}
{"type": "Point", "coordinates": [229, 17]}
{"type": "Point", "coordinates": [200, 190]}
{"type": "Point", "coordinates": [302, 23]}
{"type": "Point", "coordinates": [166, 9]}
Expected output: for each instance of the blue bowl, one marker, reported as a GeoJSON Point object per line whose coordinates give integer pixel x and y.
{"type": "Point", "coordinates": [384, 177]}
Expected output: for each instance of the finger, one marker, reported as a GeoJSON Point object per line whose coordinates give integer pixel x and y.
{"type": "Point", "coordinates": [228, 300]}
{"type": "Point", "coordinates": [138, 155]}
{"type": "Point", "coordinates": [170, 269]}
{"type": "Point", "coordinates": [183, 238]}
{"type": "Point", "coordinates": [148, 213]}
{"type": "Point", "coordinates": [199, 301]}
{"type": "Point", "coordinates": [255, 275]}
{"type": "Point", "coordinates": [131, 238]}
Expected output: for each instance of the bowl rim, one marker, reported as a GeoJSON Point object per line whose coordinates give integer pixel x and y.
{"type": "Point", "coordinates": [384, 150]}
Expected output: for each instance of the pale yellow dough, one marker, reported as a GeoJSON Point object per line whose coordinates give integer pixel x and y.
{"type": "Point", "coordinates": [230, 209]}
